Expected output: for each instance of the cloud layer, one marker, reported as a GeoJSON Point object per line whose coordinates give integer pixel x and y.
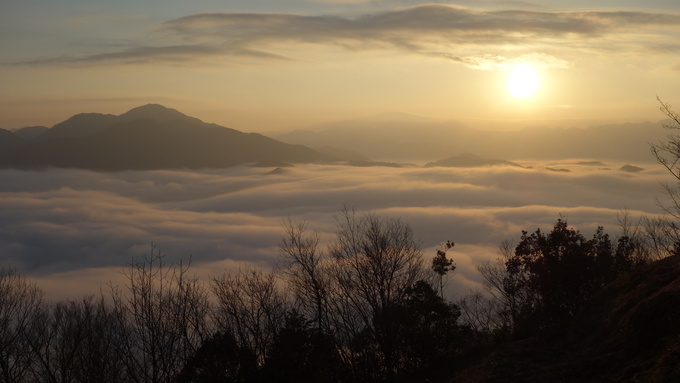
{"type": "Point", "coordinates": [66, 224]}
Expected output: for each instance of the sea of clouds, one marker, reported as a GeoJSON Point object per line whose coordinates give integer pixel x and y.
{"type": "Point", "coordinates": [73, 231]}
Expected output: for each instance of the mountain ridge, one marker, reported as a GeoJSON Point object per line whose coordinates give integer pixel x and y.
{"type": "Point", "coordinates": [144, 138]}
{"type": "Point", "coordinates": [415, 140]}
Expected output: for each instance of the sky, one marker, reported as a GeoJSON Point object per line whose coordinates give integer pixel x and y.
{"type": "Point", "coordinates": [275, 65]}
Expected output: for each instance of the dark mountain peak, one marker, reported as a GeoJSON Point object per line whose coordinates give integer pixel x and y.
{"type": "Point", "coordinates": [148, 137]}
{"type": "Point", "coordinates": [278, 171]}
{"type": "Point", "coordinates": [157, 113]}
{"type": "Point", "coordinates": [8, 140]}
{"type": "Point", "coordinates": [80, 125]}
{"type": "Point", "coordinates": [31, 132]}
{"type": "Point", "coordinates": [88, 124]}
{"type": "Point", "coordinates": [86, 118]}
{"type": "Point", "coordinates": [152, 108]}
{"type": "Point", "coordinates": [6, 133]}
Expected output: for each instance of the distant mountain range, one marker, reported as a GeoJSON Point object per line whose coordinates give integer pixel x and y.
{"type": "Point", "coordinates": [156, 137]}
{"type": "Point", "coordinates": [147, 137]}
{"type": "Point", "coordinates": [403, 137]}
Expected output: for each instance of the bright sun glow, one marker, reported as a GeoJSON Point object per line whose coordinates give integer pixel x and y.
{"type": "Point", "coordinates": [523, 81]}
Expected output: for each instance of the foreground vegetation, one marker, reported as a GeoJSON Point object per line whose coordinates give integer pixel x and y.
{"type": "Point", "coordinates": [365, 309]}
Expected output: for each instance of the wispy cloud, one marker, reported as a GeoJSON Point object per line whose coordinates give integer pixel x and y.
{"type": "Point", "coordinates": [454, 24]}
{"type": "Point", "coordinates": [175, 54]}
{"type": "Point", "coordinates": [465, 35]}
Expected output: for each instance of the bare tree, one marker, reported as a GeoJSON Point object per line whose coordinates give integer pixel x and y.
{"type": "Point", "coordinates": [659, 237]}
{"type": "Point", "coordinates": [375, 261]}
{"type": "Point", "coordinates": [20, 302]}
{"type": "Point", "coordinates": [645, 239]}
{"type": "Point", "coordinates": [370, 294]}
{"type": "Point", "coordinates": [191, 310]}
{"type": "Point", "coordinates": [251, 307]}
{"type": "Point", "coordinates": [667, 153]}
{"type": "Point", "coordinates": [74, 342]}
{"type": "Point", "coordinates": [483, 312]}
{"type": "Point", "coordinates": [97, 357]}
{"type": "Point", "coordinates": [505, 288]}
{"type": "Point", "coordinates": [162, 318]}
{"type": "Point", "coordinates": [306, 271]}
{"type": "Point", "coordinates": [59, 331]}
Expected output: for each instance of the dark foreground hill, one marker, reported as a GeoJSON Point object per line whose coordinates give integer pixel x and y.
{"type": "Point", "coordinates": [629, 332]}
{"type": "Point", "coordinates": [147, 137]}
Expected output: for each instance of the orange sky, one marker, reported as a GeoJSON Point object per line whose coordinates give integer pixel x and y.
{"type": "Point", "coordinates": [275, 65]}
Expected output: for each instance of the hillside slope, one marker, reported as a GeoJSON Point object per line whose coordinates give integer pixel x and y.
{"type": "Point", "coordinates": [629, 332]}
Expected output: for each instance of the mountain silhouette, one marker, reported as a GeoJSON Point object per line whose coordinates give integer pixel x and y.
{"type": "Point", "coordinates": [30, 132]}
{"type": "Point", "coordinates": [8, 141]}
{"type": "Point", "coordinates": [147, 137]}
{"type": "Point", "coordinates": [80, 125]}
{"type": "Point", "coordinates": [469, 160]}
{"type": "Point", "coordinates": [407, 138]}
{"type": "Point", "coordinates": [158, 113]}
{"type": "Point", "coordinates": [387, 137]}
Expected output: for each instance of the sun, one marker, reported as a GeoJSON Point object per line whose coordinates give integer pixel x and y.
{"type": "Point", "coordinates": [523, 81]}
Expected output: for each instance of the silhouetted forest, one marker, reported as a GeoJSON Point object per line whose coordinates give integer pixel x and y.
{"type": "Point", "coordinates": [368, 308]}
{"type": "Point", "coordinates": [371, 307]}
